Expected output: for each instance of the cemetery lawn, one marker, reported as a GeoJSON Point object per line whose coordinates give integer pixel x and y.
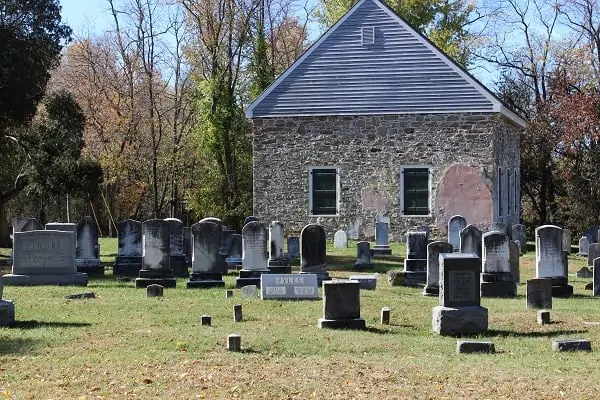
{"type": "Point", "coordinates": [122, 345]}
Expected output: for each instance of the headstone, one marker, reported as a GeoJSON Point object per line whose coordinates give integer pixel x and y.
{"type": "Point", "coordinates": [471, 240]}
{"type": "Point", "coordinates": [382, 244]}
{"type": "Point", "coordinates": [44, 258]}
{"type": "Point", "coordinates": [584, 272]}
{"type": "Point", "coordinates": [289, 286]}
{"type": "Point", "coordinates": [254, 254]}
{"type": "Point", "coordinates": [341, 305]}
{"type": "Point", "coordinates": [363, 256]}
{"type": "Point", "coordinates": [518, 234]}
{"type": "Point", "coordinates": [592, 234]}
{"type": "Point", "coordinates": [539, 293]}
{"type": "Point", "coordinates": [208, 266]}
{"type": "Point", "coordinates": [61, 226]}
{"type": "Point", "coordinates": [7, 308]}
{"type": "Point", "coordinates": [226, 242]}
{"type": "Point", "coordinates": [593, 253]}
{"type": "Point", "coordinates": [249, 291]}
{"type": "Point", "coordinates": [550, 260]}
{"type": "Point", "coordinates": [596, 278]}
{"type": "Point", "coordinates": [434, 249]}
{"type": "Point", "coordinates": [32, 225]}
{"type": "Point", "coordinates": [340, 240]}
{"type": "Point", "coordinates": [129, 253]}
{"type": "Point", "coordinates": [293, 246]}
{"type": "Point", "coordinates": [251, 218]}
{"type": "Point", "coordinates": [366, 282]}
{"type": "Point", "coordinates": [415, 263]}
{"type": "Point", "coordinates": [456, 224]}
{"type": "Point", "coordinates": [154, 290]}
{"type": "Point", "coordinates": [234, 342]}
{"type": "Point", "coordinates": [514, 261]}
{"type": "Point", "coordinates": [571, 345]}
{"type": "Point", "coordinates": [583, 246]}
{"type": "Point", "coordinates": [278, 262]}
{"type": "Point", "coordinates": [498, 226]}
{"type": "Point", "coordinates": [18, 223]}
{"type": "Point", "coordinates": [459, 311]}
{"type": "Point", "coordinates": [313, 247]}
{"type": "Point", "coordinates": [496, 278]}
{"type": "Point", "coordinates": [566, 240]}
{"type": "Point", "coordinates": [234, 254]}
{"type": "Point", "coordinates": [237, 313]}
{"type": "Point", "coordinates": [88, 248]}
{"type": "Point", "coordinates": [176, 256]}
{"type": "Point", "coordinates": [187, 246]}
{"type": "Point", "coordinates": [156, 248]}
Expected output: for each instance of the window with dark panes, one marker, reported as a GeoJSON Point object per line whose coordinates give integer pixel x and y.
{"type": "Point", "coordinates": [324, 191]}
{"type": "Point", "coordinates": [416, 191]}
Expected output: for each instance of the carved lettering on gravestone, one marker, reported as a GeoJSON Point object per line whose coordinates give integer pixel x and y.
{"type": "Point", "coordinates": [460, 286]}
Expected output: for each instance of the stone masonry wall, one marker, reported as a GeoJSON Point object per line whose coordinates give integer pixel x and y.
{"type": "Point", "coordinates": [369, 151]}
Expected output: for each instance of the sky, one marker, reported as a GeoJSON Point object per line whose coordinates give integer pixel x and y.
{"type": "Point", "coordinates": [86, 16]}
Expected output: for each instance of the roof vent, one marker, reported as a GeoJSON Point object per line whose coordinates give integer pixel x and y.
{"type": "Point", "coordinates": [368, 35]}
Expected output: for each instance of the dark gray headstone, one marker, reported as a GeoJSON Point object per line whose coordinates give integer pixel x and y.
{"type": "Point", "coordinates": [592, 234]}
{"type": "Point", "coordinates": [293, 246]}
{"type": "Point", "coordinates": [313, 247]}
{"type": "Point", "coordinates": [129, 238]}
{"type": "Point", "coordinates": [518, 234]}
{"type": "Point", "coordinates": [341, 305]}
{"type": "Point", "coordinates": [31, 225]}
{"type": "Point", "coordinates": [593, 253]}
{"type": "Point", "coordinates": [208, 265]}
{"type": "Point", "coordinates": [363, 256]}
{"type": "Point", "coordinates": [596, 278]}
{"type": "Point", "coordinates": [434, 249]}
{"type": "Point", "coordinates": [539, 293]}
{"type": "Point", "coordinates": [459, 280]}
{"type": "Point", "coordinates": [515, 268]}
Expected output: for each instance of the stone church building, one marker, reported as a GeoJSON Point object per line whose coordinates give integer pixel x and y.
{"type": "Point", "coordinates": [374, 122]}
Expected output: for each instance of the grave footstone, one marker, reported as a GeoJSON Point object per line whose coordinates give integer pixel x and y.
{"type": "Point", "coordinates": [571, 345]}
{"type": "Point", "coordinates": [566, 240]}
{"type": "Point", "coordinates": [593, 253]}
{"type": "Point", "coordinates": [289, 287]}
{"type": "Point", "coordinates": [472, 346]}
{"type": "Point", "coordinates": [366, 282]}
{"type": "Point", "coordinates": [550, 260]}
{"type": "Point", "coordinates": [340, 239]}
{"type": "Point", "coordinates": [596, 278]}
{"type": "Point", "coordinates": [539, 293]}
{"type": "Point", "coordinates": [415, 263]}
{"type": "Point", "coordinates": [313, 247]}
{"type": "Point", "coordinates": [208, 266]}
{"type": "Point", "coordinates": [88, 248]}
{"type": "Point", "coordinates": [434, 249]}
{"type": "Point", "coordinates": [496, 277]}
{"type": "Point", "coordinates": [293, 246]}
{"type": "Point", "coordinates": [341, 305]}
{"type": "Point", "coordinates": [154, 290]}
{"type": "Point", "coordinates": [471, 240]}
{"type": "Point", "coordinates": [543, 317]}
{"type": "Point", "coordinates": [518, 234]}
{"type": "Point", "coordinates": [254, 254]}
{"type": "Point", "coordinates": [234, 254]}
{"type": "Point", "coordinates": [583, 246]}
{"type": "Point", "coordinates": [234, 342]}
{"type": "Point", "coordinates": [176, 256]}
{"type": "Point", "coordinates": [278, 262]}
{"type": "Point", "coordinates": [515, 267]}
{"type": "Point", "coordinates": [460, 310]}
{"type": "Point", "coordinates": [382, 244]}
{"type": "Point", "coordinates": [45, 258]}
{"type": "Point", "coordinates": [129, 254]}
{"type": "Point", "coordinates": [456, 224]}
{"type": "Point", "coordinates": [363, 256]}
{"type": "Point", "coordinates": [156, 249]}
{"type": "Point", "coordinates": [7, 308]}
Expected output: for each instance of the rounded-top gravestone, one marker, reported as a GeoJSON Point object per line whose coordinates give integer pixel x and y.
{"type": "Point", "coordinates": [313, 247]}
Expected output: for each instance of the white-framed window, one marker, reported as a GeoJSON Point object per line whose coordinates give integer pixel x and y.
{"type": "Point", "coordinates": [323, 190]}
{"type": "Point", "coordinates": [415, 190]}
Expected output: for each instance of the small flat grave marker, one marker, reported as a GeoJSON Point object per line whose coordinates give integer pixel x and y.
{"type": "Point", "coordinates": [571, 345]}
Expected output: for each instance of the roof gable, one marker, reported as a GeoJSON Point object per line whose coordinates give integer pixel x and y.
{"type": "Point", "coordinates": [348, 71]}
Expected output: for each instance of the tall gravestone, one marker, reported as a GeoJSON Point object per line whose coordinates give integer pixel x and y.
{"type": "Point", "coordinates": [515, 268]}
{"type": "Point", "coordinates": [7, 308]}
{"type": "Point", "coordinates": [518, 234]}
{"type": "Point", "coordinates": [593, 253]}
{"type": "Point", "coordinates": [363, 256]}
{"type": "Point", "coordinates": [596, 278]}
{"type": "Point", "coordinates": [340, 239]}
{"type": "Point", "coordinates": [254, 254]}
{"type": "Point", "coordinates": [456, 224]}
{"type": "Point", "coordinates": [278, 262]}
{"type": "Point", "coordinates": [382, 243]}
{"type": "Point", "coordinates": [584, 244]}
{"type": "Point", "coordinates": [187, 245]}
{"type": "Point", "coordinates": [129, 253]}
{"type": "Point", "coordinates": [471, 240]}
{"type": "Point", "coordinates": [496, 277]}
{"type": "Point", "coordinates": [550, 261]}
{"type": "Point", "coordinates": [176, 256]}
{"type": "Point", "coordinates": [226, 239]}
{"type": "Point", "coordinates": [459, 311]}
{"type": "Point", "coordinates": [566, 239]}
{"type": "Point", "coordinates": [498, 226]}
{"type": "Point", "coordinates": [434, 249]}
{"type": "Point", "coordinates": [234, 253]}
{"type": "Point", "coordinates": [156, 247]}
{"type": "Point", "coordinates": [293, 246]}
{"type": "Point", "coordinates": [45, 258]}
{"type": "Point", "coordinates": [341, 305]}
{"type": "Point", "coordinates": [415, 263]}
{"type": "Point", "coordinates": [207, 264]}
{"type": "Point", "coordinates": [313, 247]}
{"type": "Point", "coordinates": [88, 248]}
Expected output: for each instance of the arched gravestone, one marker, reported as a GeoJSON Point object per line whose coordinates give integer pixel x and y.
{"type": "Point", "coordinates": [88, 248]}
{"type": "Point", "coordinates": [471, 240]}
{"type": "Point", "coordinates": [208, 265]}
{"type": "Point", "coordinates": [129, 253]}
{"type": "Point", "coordinates": [156, 248]}
{"type": "Point", "coordinates": [234, 252]}
{"type": "Point", "coordinates": [518, 234]}
{"type": "Point", "coordinates": [255, 258]}
{"type": "Point", "coordinates": [456, 224]}
{"type": "Point", "coordinates": [550, 260]}
{"type": "Point", "coordinates": [496, 276]}
{"type": "Point", "coordinates": [176, 255]}
{"type": "Point", "coordinates": [313, 247]}
{"type": "Point", "coordinates": [278, 262]}
{"type": "Point", "coordinates": [249, 219]}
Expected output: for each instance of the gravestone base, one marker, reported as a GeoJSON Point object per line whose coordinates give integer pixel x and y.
{"type": "Point", "coordinates": [280, 269]}
{"type": "Point", "coordinates": [234, 263]}
{"type": "Point", "coordinates": [249, 277]}
{"type": "Point", "coordinates": [380, 250]}
{"type": "Point", "coordinates": [431, 290]}
{"type": "Point", "coordinates": [562, 291]}
{"type": "Point", "coordinates": [353, 323]}
{"type": "Point", "coordinates": [203, 280]}
{"type": "Point", "coordinates": [90, 266]}
{"type": "Point", "coordinates": [498, 289]}
{"type": "Point", "coordinates": [77, 279]}
{"type": "Point", "coordinates": [7, 313]}
{"type": "Point", "coordinates": [321, 275]}
{"type": "Point", "coordinates": [179, 266]}
{"type": "Point", "coordinates": [413, 278]}
{"type": "Point", "coordinates": [127, 266]}
{"type": "Point", "coordinates": [467, 320]}
{"type": "Point", "coordinates": [415, 264]}
{"type": "Point", "coordinates": [155, 277]}
{"type": "Point", "coordinates": [361, 266]}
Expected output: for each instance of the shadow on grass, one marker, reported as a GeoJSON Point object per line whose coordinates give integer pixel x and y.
{"type": "Point", "coordinates": [346, 263]}
{"type": "Point", "coordinates": [16, 345]}
{"type": "Point", "coordinates": [507, 333]}
{"type": "Point", "coordinates": [34, 324]}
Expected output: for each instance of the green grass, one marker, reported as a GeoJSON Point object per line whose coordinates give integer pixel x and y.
{"type": "Point", "coordinates": [124, 345]}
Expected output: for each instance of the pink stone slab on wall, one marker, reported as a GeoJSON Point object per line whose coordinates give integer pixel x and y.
{"type": "Point", "coordinates": [462, 190]}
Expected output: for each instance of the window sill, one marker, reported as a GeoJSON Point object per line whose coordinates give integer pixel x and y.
{"type": "Point", "coordinates": [416, 216]}
{"type": "Point", "coordinates": [323, 215]}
